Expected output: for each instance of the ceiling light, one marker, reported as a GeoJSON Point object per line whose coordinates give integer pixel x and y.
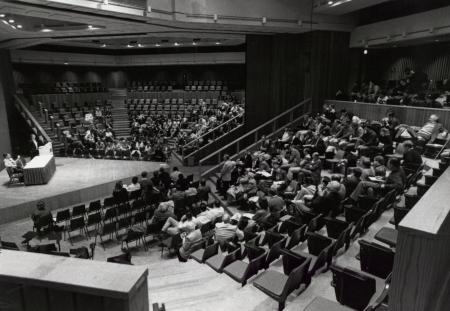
{"type": "Point", "coordinates": [90, 26]}
{"type": "Point", "coordinates": [11, 21]}
{"type": "Point", "coordinates": [2, 15]}
{"type": "Point", "coordinates": [66, 63]}
{"type": "Point", "coordinates": [193, 43]}
{"type": "Point", "coordinates": [330, 2]}
{"type": "Point", "coordinates": [129, 46]}
{"type": "Point", "coordinates": [140, 45]}
{"type": "Point", "coordinates": [217, 43]}
{"type": "Point", "coordinates": [365, 52]}
{"type": "Point", "coordinates": [176, 44]}
{"type": "Point", "coordinates": [437, 40]}
{"type": "Point", "coordinates": [103, 45]}
{"type": "Point", "coordinates": [5, 22]}
{"type": "Point", "coordinates": [19, 26]}
{"type": "Point", "coordinates": [46, 30]}
{"type": "Point", "coordinates": [157, 44]}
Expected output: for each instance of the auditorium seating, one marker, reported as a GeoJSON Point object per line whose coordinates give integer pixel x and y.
{"type": "Point", "coordinates": [63, 87]}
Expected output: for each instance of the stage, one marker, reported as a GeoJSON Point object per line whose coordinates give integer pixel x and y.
{"type": "Point", "coordinates": [75, 180]}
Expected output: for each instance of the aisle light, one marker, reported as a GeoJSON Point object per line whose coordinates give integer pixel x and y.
{"type": "Point", "coordinates": [365, 52]}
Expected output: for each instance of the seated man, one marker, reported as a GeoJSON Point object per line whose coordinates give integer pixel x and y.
{"type": "Point", "coordinates": [326, 201]}
{"type": "Point", "coordinates": [9, 162]}
{"type": "Point", "coordinates": [162, 213]}
{"type": "Point", "coordinates": [225, 231]}
{"type": "Point", "coordinates": [189, 242]}
{"type": "Point", "coordinates": [395, 180]}
{"type": "Point", "coordinates": [428, 133]}
{"type": "Point", "coordinates": [186, 224]}
{"type": "Point", "coordinates": [40, 212]}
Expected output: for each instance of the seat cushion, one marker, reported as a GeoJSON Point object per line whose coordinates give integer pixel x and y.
{"type": "Point", "coordinates": [387, 235]}
{"type": "Point", "coordinates": [236, 270]}
{"type": "Point", "coordinates": [272, 282]}
{"type": "Point", "coordinates": [198, 255]}
{"type": "Point", "coordinates": [215, 262]}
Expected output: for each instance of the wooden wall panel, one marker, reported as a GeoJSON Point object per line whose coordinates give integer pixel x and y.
{"type": "Point", "coordinates": [416, 116]}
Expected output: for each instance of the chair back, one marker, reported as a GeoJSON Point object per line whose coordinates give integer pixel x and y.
{"type": "Point", "coordinates": [256, 264]}
{"type": "Point", "coordinates": [93, 219]}
{"type": "Point", "coordinates": [109, 202]}
{"type": "Point", "coordinates": [299, 235]}
{"type": "Point", "coordinates": [317, 243]}
{"type": "Point", "coordinates": [275, 251]}
{"type": "Point", "coordinates": [296, 277]}
{"type": "Point", "coordinates": [77, 223]}
{"type": "Point", "coordinates": [94, 206]}
{"type": "Point", "coordinates": [63, 215]}
{"type": "Point", "coordinates": [110, 213]}
{"type": "Point", "coordinates": [335, 227]}
{"type": "Point", "coordinates": [376, 259]}
{"type": "Point", "coordinates": [78, 210]}
{"type": "Point", "coordinates": [109, 228]}
{"type": "Point", "coordinates": [210, 250]}
{"type": "Point", "coordinates": [352, 288]}
{"type": "Point", "coordinates": [45, 221]}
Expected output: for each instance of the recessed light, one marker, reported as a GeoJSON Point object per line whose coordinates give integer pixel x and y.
{"type": "Point", "coordinates": [157, 45]}
{"type": "Point", "coordinates": [103, 45]}
{"type": "Point", "coordinates": [11, 21]}
{"type": "Point", "coordinates": [437, 40]}
{"type": "Point", "coordinates": [330, 2]}
{"type": "Point", "coordinates": [66, 63]}
{"type": "Point", "coordinates": [365, 52]}
{"type": "Point", "coordinates": [140, 45]}
{"type": "Point", "coordinates": [193, 43]}
{"type": "Point", "coordinates": [176, 44]}
{"type": "Point", "coordinates": [46, 30]}
{"type": "Point", "coordinates": [129, 46]}
{"type": "Point", "coordinates": [19, 26]}
{"type": "Point", "coordinates": [5, 22]}
{"type": "Point", "coordinates": [217, 43]}
{"type": "Point", "coordinates": [2, 15]}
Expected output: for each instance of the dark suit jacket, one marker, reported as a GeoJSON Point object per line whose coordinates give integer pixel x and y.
{"type": "Point", "coordinates": [32, 149]}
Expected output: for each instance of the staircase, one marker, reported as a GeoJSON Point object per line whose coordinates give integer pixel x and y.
{"type": "Point", "coordinates": [57, 144]}
{"type": "Point", "coordinates": [119, 113]}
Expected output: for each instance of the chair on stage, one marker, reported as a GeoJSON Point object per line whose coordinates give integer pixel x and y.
{"type": "Point", "coordinates": [14, 177]}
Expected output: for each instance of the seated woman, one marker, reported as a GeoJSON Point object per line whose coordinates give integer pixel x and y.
{"type": "Point", "coordinates": [120, 193]}
{"type": "Point", "coordinates": [186, 224]}
{"type": "Point", "coordinates": [135, 185]}
{"type": "Point", "coordinates": [40, 212]}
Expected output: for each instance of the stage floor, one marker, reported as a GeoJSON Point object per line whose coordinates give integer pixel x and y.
{"type": "Point", "coordinates": [75, 180]}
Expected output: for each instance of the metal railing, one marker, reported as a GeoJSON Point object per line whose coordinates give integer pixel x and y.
{"type": "Point", "coordinates": [29, 118]}
{"type": "Point", "coordinates": [211, 134]}
{"type": "Point", "coordinates": [253, 138]}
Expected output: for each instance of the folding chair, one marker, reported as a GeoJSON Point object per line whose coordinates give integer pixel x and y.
{"type": "Point", "coordinates": [77, 224]}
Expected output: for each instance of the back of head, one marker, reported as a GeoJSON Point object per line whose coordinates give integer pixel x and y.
{"type": "Point", "coordinates": [144, 174]}
{"type": "Point", "coordinates": [357, 172]}
{"type": "Point", "coordinates": [379, 159]}
{"type": "Point", "coordinates": [408, 144]}
{"type": "Point", "coordinates": [226, 218]}
{"type": "Point", "coordinates": [394, 163]}
{"type": "Point", "coordinates": [134, 180]}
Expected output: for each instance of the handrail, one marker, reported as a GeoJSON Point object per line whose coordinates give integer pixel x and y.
{"type": "Point", "coordinates": [205, 146]}
{"type": "Point", "coordinates": [22, 108]}
{"type": "Point", "coordinates": [255, 131]}
{"type": "Point", "coordinates": [207, 133]}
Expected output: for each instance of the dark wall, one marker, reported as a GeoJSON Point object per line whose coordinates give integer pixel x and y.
{"type": "Point", "coordinates": [6, 91]}
{"type": "Point", "coordinates": [118, 77]}
{"type": "Point", "coordinates": [282, 70]}
{"type": "Point", "coordinates": [386, 64]}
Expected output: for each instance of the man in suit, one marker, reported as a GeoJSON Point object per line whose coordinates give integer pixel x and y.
{"type": "Point", "coordinates": [34, 145]}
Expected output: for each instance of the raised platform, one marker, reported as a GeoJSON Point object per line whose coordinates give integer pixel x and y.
{"type": "Point", "coordinates": [75, 180]}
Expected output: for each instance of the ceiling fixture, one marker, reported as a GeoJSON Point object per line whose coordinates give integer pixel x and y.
{"type": "Point", "coordinates": [157, 45]}
{"type": "Point", "coordinates": [90, 26]}
{"type": "Point", "coordinates": [66, 63]}
{"type": "Point", "coordinates": [103, 45]}
{"type": "Point", "coordinates": [11, 21]}
{"type": "Point", "coordinates": [140, 45]}
{"type": "Point", "coordinates": [365, 52]}
{"type": "Point", "coordinates": [5, 22]}
{"type": "Point", "coordinates": [176, 44]}
{"type": "Point", "coordinates": [330, 2]}
{"type": "Point", "coordinates": [19, 26]}
{"type": "Point", "coordinates": [194, 43]}
{"type": "Point", "coordinates": [2, 15]}
{"type": "Point", "coordinates": [129, 46]}
{"type": "Point", "coordinates": [46, 30]}
{"type": "Point", "coordinates": [217, 43]}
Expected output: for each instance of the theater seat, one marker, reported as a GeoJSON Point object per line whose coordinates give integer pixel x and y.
{"type": "Point", "coordinates": [203, 254]}
{"type": "Point", "coordinates": [241, 271]}
{"type": "Point", "coordinates": [387, 236]}
{"type": "Point", "coordinates": [219, 261]}
{"type": "Point", "coordinates": [280, 285]}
